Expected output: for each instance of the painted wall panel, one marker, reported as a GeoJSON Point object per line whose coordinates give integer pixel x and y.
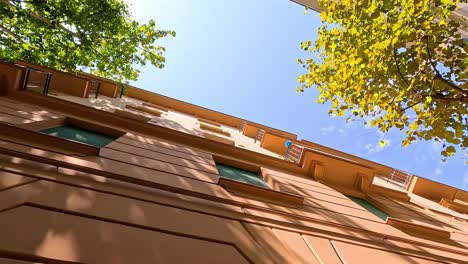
{"type": "Point", "coordinates": [322, 249]}
{"type": "Point", "coordinates": [11, 119]}
{"type": "Point", "coordinates": [296, 243]}
{"type": "Point", "coordinates": [167, 145]}
{"type": "Point", "coordinates": [12, 261]}
{"type": "Point", "coordinates": [6, 102]}
{"type": "Point", "coordinates": [22, 114]}
{"type": "Point", "coordinates": [211, 176]}
{"type": "Point", "coordinates": [271, 245]}
{"type": "Point", "coordinates": [167, 151]}
{"type": "Point", "coordinates": [161, 156]}
{"type": "Point", "coordinates": [363, 255]}
{"type": "Point", "coordinates": [10, 180]}
{"type": "Point", "coordinates": [121, 170]}
{"type": "Point", "coordinates": [75, 238]}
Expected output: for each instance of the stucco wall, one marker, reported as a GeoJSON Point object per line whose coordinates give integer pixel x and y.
{"type": "Point", "coordinates": [108, 89]}
{"type": "Point", "coordinates": [143, 199]}
{"type": "Point", "coordinates": [10, 78]}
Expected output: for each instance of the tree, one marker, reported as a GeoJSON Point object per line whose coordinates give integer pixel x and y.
{"type": "Point", "coordinates": [70, 35]}
{"type": "Point", "coordinates": [395, 64]}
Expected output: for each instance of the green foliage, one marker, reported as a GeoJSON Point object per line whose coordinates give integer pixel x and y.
{"type": "Point", "coordinates": [74, 34]}
{"type": "Point", "coordinates": [398, 64]}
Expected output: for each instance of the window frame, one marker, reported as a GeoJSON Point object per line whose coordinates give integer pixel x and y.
{"type": "Point", "coordinates": [271, 195]}
{"type": "Point", "coordinates": [88, 134]}
{"type": "Point", "coordinates": [62, 145]}
{"type": "Point", "coordinates": [356, 199]}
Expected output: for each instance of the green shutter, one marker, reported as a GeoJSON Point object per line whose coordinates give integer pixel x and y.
{"type": "Point", "coordinates": [81, 135]}
{"type": "Point", "coordinates": [371, 208]}
{"type": "Point", "coordinates": [241, 175]}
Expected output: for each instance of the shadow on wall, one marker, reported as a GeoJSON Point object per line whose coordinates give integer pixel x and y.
{"type": "Point", "coordinates": [78, 224]}
{"type": "Point", "coordinates": [172, 125]}
{"type": "Point", "coordinates": [320, 209]}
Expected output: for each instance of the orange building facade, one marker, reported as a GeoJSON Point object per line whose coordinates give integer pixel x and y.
{"type": "Point", "coordinates": [89, 176]}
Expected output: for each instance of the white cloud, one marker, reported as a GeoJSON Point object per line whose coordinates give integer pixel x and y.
{"type": "Point", "coordinates": [331, 129]}
{"type": "Point", "coordinates": [377, 148]}
{"type": "Point", "coordinates": [327, 130]}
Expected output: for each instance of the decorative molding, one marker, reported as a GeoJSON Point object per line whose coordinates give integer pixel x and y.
{"type": "Point", "coordinates": [256, 191]}
{"type": "Point", "coordinates": [237, 163]}
{"type": "Point", "coordinates": [161, 108]}
{"type": "Point", "coordinates": [363, 182]}
{"type": "Point", "coordinates": [145, 109]}
{"type": "Point", "coordinates": [219, 139]}
{"type": "Point", "coordinates": [151, 130]}
{"type": "Point", "coordinates": [44, 124]}
{"type": "Point", "coordinates": [214, 129]}
{"type": "Point", "coordinates": [395, 194]}
{"type": "Point", "coordinates": [346, 190]}
{"type": "Point", "coordinates": [47, 142]}
{"type": "Point", "coordinates": [131, 115]}
{"type": "Point", "coordinates": [454, 205]}
{"type": "Point", "coordinates": [419, 229]}
{"type": "Point", "coordinates": [204, 120]}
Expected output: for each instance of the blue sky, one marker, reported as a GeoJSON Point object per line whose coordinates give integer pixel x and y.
{"type": "Point", "coordinates": [239, 57]}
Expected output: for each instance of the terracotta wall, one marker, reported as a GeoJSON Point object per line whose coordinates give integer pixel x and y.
{"type": "Point", "coordinates": [148, 200]}
{"type": "Point", "coordinates": [108, 89]}
{"type": "Point", "coordinates": [19, 114]}
{"type": "Point", "coordinates": [250, 131]}
{"type": "Point", "coordinates": [10, 78]}
{"type": "Point", "coordinates": [431, 190]}
{"type": "Point", "coordinates": [274, 143]}
{"type": "Point", "coordinates": [198, 111]}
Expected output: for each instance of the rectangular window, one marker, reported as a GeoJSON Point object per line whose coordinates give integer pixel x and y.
{"type": "Point", "coordinates": [371, 208]}
{"type": "Point", "coordinates": [241, 175]}
{"type": "Point", "coordinates": [80, 135]}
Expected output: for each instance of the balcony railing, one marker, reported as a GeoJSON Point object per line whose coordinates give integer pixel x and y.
{"type": "Point", "coordinates": [36, 80]}
{"type": "Point", "coordinates": [242, 125]}
{"type": "Point", "coordinates": [259, 136]}
{"type": "Point", "coordinates": [399, 177]}
{"type": "Point", "coordinates": [295, 152]}
{"type": "Point", "coordinates": [94, 88]}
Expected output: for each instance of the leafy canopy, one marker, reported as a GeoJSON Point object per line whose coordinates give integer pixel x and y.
{"type": "Point", "coordinates": [75, 34]}
{"type": "Point", "coordinates": [396, 64]}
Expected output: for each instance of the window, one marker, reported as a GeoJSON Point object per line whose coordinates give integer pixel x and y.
{"type": "Point", "coordinates": [371, 208]}
{"type": "Point", "coordinates": [241, 175]}
{"type": "Point", "coordinates": [80, 135]}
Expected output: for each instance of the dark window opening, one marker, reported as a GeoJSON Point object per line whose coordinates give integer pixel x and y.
{"type": "Point", "coordinates": [370, 207]}
{"type": "Point", "coordinates": [80, 135]}
{"type": "Point", "coordinates": [241, 175]}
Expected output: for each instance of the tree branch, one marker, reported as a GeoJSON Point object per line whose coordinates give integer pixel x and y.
{"type": "Point", "coordinates": [439, 76]}
{"type": "Point", "coordinates": [398, 67]}
{"type": "Point", "coordinates": [409, 106]}
{"type": "Point", "coordinates": [442, 98]}
{"type": "Point", "coordinates": [13, 35]}
{"type": "Point", "coordinates": [452, 85]}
